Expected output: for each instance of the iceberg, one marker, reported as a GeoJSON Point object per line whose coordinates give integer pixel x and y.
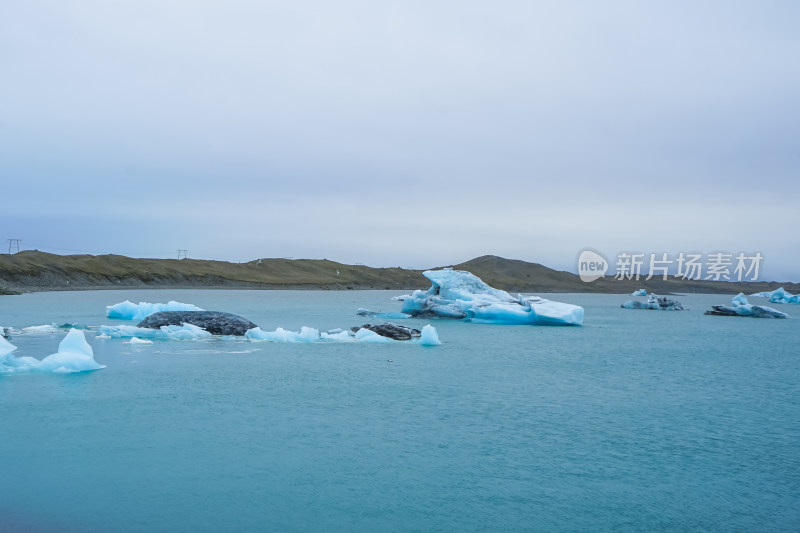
{"type": "Point", "coordinates": [779, 296]}
{"type": "Point", "coordinates": [462, 295]}
{"type": "Point", "coordinates": [654, 302]}
{"type": "Point", "coordinates": [74, 355]}
{"type": "Point", "coordinates": [429, 337]}
{"type": "Point", "coordinates": [6, 347]}
{"type": "Point", "coordinates": [367, 335]}
{"type": "Point", "coordinates": [360, 334]}
{"type": "Point", "coordinates": [393, 331]}
{"type": "Point", "coordinates": [184, 332]}
{"type": "Point", "coordinates": [46, 328]}
{"type": "Point", "coordinates": [741, 307]}
{"type": "Point", "coordinates": [137, 340]}
{"type": "Point", "coordinates": [128, 310]}
{"type": "Point", "coordinates": [305, 334]}
{"type": "Point", "coordinates": [640, 292]}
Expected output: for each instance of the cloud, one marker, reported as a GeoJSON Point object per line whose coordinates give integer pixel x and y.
{"type": "Point", "coordinates": [454, 128]}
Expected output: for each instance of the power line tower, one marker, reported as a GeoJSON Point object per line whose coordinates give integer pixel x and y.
{"type": "Point", "coordinates": [13, 244]}
{"type": "Point", "coordinates": [182, 254]}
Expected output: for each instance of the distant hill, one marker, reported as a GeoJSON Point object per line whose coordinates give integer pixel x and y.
{"type": "Point", "coordinates": [521, 276]}
{"type": "Point", "coordinates": [38, 271]}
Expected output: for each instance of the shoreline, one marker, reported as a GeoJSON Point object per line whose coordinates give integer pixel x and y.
{"type": "Point", "coordinates": [33, 271]}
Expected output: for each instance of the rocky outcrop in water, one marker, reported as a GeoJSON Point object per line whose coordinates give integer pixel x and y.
{"type": "Point", "coordinates": [393, 331]}
{"type": "Point", "coordinates": [215, 322]}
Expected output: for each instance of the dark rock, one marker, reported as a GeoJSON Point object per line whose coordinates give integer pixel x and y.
{"type": "Point", "coordinates": [214, 322]}
{"type": "Point", "coordinates": [393, 331]}
{"type": "Point", "coordinates": [722, 310]}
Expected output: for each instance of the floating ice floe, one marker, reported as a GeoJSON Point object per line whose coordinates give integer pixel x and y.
{"type": "Point", "coordinates": [360, 334]}
{"type": "Point", "coordinates": [45, 328]}
{"type": "Point", "coordinates": [305, 334]}
{"type": "Point", "coordinates": [388, 316]}
{"type": "Point", "coordinates": [74, 355]}
{"type": "Point", "coordinates": [128, 310]}
{"type": "Point", "coordinates": [640, 292]}
{"type": "Point", "coordinates": [137, 340]}
{"type": "Point", "coordinates": [654, 302]}
{"type": "Point", "coordinates": [779, 296]}
{"type": "Point", "coordinates": [741, 307]}
{"type": "Point", "coordinates": [462, 295]}
{"type": "Point", "coordinates": [184, 332]}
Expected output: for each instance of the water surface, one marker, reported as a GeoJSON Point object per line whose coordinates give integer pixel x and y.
{"type": "Point", "coordinates": [639, 420]}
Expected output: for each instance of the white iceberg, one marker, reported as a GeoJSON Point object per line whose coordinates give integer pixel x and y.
{"type": "Point", "coordinates": [654, 302]}
{"type": "Point", "coordinates": [128, 310]}
{"type": "Point", "coordinates": [305, 334]}
{"type": "Point", "coordinates": [45, 328]}
{"type": "Point", "coordinates": [640, 292]}
{"type": "Point", "coordinates": [462, 295]}
{"type": "Point", "coordinates": [779, 296]}
{"type": "Point", "coordinates": [741, 307]}
{"type": "Point", "coordinates": [74, 355]}
{"type": "Point", "coordinates": [184, 332]}
{"type": "Point", "coordinates": [429, 336]}
{"type": "Point", "coordinates": [137, 340]}
{"type": "Point", "coordinates": [312, 335]}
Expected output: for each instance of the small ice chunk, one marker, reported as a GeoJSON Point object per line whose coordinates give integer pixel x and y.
{"type": "Point", "coordinates": [429, 336]}
{"type": "Point", "coordinates": [640, 292]}
{"type": "Point", "coordinates": [654, 302]}
{"type": "Point", "coordinates": [137, 340]}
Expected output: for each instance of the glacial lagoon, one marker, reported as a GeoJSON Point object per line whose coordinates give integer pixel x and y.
{"type": "Point", "coordinates": [637, 420]}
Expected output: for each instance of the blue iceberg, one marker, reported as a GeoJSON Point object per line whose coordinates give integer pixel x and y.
{"type": "Point", "coordinates": [74, 355]}
{"type": "Point", "coordinates": [462, 295]}
{"type": "Point", "coordinates": [429, 336]}
{"type": "Point", "coordinates": [184, 332]}
{"type": "Point", "coordinates": [640, 292]}
{"type": "Point", "coordinates": [779, 296]}
{"type": "Point", "coordinates": [128, 310]}
{"type": "Point", "coordinates": [741, 307]}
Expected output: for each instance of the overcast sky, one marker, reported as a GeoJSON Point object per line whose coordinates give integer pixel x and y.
{"type": "Point", "coordinates": [401, 133]}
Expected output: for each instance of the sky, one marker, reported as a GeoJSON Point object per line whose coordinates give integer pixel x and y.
{"type": "Point", "coordinates": [414, 133]}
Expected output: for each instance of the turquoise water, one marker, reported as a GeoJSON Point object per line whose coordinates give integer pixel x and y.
{"type": "Point", "coordinates": [638, 421]}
